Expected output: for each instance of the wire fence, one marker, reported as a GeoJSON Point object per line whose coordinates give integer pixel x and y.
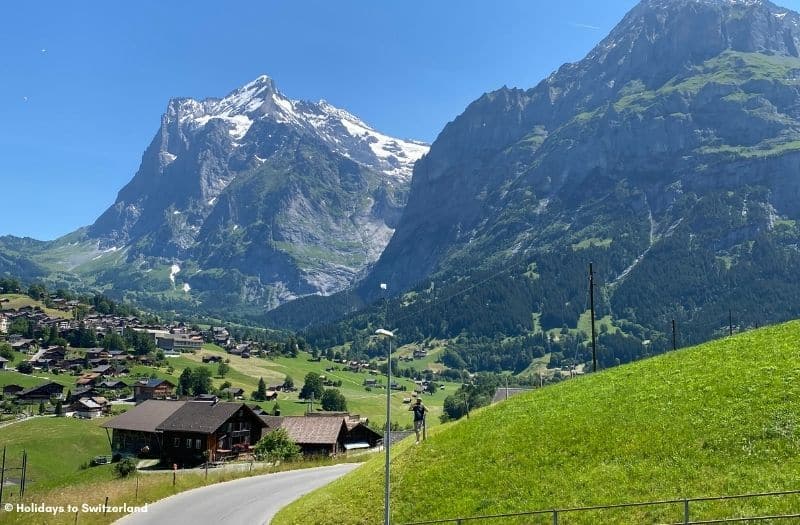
{"type": "Point", "coordinates": [684, 506]}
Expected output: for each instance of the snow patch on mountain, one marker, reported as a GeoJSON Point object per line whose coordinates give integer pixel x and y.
{"type": "Point", "coordinates": [342, 131]}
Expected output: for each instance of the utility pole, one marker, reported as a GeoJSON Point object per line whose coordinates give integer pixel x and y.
{"type": "Point", "coordinates": [591, 307]}
{"type": "Point", "coordinates": [3, 474]}
{"type": "Point", "coordinates": [387, 438]}
{"type": "Point", "coordinates": [674, 336]}
{"type": "Point", "coordinates": [24, 474]}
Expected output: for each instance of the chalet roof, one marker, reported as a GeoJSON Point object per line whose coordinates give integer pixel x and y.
{"type": "Point", "coordinates": [90, 403]}
{"type": "Point", "coordinates": [145, 417]}
{"type": "Point", "coordinates": [3, 360]}
{"type": "Point", "coordinates": [203, 417]}
{"type": "Point", "coordinates": [313, 430]}
{"type": "Point", "coordinates": [82, 390]}
{"type": "Point", "coordinates": [153, 383]}
{"type": "Point", "coordinates": [39, 387]}
{"type": "Point", "coordinates": [273, 422]}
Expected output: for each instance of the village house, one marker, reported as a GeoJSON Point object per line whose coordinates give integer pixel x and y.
{"type": "Point", "coordinates": [270, 395]}
{"type": "Point", "coordinates": [234, 392]}
{"type": "Point", "coordinates": [134, 431]}
{"type": "Point", "coordinates": [153, 389]}
{"type": "Point", "coordinates": [220, 335]}
{"type": "Point", "coordinates": [43, 392]}
{"type": "Point", "coordinates": [314, 435]}
{"type": "Point", "coordinates": [3, 324]}
{"type": "Point", "coordinates": [11, 390]}
{"type": "Point", "coordinates": [91, 407]}
{"type": "Point", "coordinates": [178, 343]}
{"type": "Point", "coordinates": [22, 345]}
{"type": "Point", "coordinates": [325, 433]}
{"type": "Point", "coordinates": [200, 430]}
{"type": "Point", "coordinates": [91, 378]}
{"type": "Point", "coordinates": [359, 435]}
{"type": "Point", "coordinates": [3, 362]}
{"type": "Point", "coordinates": [112, 385]}
{"type": "Point", "coordinates": [81, 391]}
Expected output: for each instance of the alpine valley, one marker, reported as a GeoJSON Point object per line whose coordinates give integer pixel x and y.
{"type": "Point", "coordinates": [669, 157]}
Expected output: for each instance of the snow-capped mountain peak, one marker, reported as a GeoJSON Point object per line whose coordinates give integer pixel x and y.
{"type": "Point", "coordinates": [341, 130]}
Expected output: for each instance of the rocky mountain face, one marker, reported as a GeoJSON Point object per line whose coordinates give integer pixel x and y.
{"type": "Point", "coordinates": [669, 156]}
{"type": "Point", "coordinates": [253, 199]}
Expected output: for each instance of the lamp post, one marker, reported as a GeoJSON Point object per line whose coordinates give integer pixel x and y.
{"type": "Point", "coordinates": [387, 434]}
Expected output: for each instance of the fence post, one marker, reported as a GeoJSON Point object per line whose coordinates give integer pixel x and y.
{"type": "Point", "coordinates": [555, 517]}
{"type": "Point", "coordinates": [105, 506]}
{"type": "Point", "coordinates": [76, 517]}
{"type": "Point", "coordinates": [685, 511]}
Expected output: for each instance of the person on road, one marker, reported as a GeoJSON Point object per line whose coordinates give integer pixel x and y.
{"type": "Point", "coordinates": [419, 416]}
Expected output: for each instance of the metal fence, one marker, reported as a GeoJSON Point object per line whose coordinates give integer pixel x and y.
{"type": "Point", "coordinates": [684, 505]}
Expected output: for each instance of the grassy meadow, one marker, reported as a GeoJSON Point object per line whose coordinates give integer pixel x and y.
{"type": "Point", "coordinates": [719, 418]}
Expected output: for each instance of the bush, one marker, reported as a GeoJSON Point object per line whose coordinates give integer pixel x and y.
{"type": "Point", "coordinates": [25, 367]}
{"type": "Point", "coordinates": [125, 468]}
{"type": "Point", "coordinates": [276, 446]}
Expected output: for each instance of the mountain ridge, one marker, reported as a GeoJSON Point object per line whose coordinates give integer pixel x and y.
{"type": "Point", "coordinates": [258, 197]}
{"type": "Point", "coordinates": [665, 156]}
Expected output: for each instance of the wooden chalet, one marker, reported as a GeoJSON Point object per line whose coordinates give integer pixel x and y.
{"type": "Point", "coordinates": [153, 389]}
{"type": "Point", "coordinates": [134, 431]}
{"type": "Point", "coordinates": [41, 392]}
{"type": "Point", "coordinates": [314, 435]}
{"type": "Point", "coordinates": [12, 390]}
{"type": "Point", "coordinates": [200, 430]}
{"type": "Point", "coordinates": [91, 407]}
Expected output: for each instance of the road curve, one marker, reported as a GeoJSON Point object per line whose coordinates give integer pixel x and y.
{"type": "Point", "coordinates": [246, 501]}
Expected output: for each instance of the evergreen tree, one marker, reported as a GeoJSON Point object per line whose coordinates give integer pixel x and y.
{"type": "Point", "coordinates": [261, 393]}
{"type": "Point", "coordinates": [185, 382]}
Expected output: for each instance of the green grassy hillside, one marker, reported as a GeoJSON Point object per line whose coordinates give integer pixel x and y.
{"type": "Point", "coordinates": [720, 418]}
{"type": "Point", "coordinates": [57, 448]}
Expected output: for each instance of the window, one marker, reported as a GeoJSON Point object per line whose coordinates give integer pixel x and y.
{"type": "Point", "coordinates": [197, 444]}
{"type": "Point", "coordinates": [176, 442]}
{"type": "Point", "coordinates": [188, 443]}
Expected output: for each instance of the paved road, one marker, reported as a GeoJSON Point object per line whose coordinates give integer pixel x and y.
{"type": "Point", "coordinates": [246, 501]}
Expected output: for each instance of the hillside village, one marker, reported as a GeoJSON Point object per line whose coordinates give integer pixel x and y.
{"type": "Point", "coordinates": [69, 360]}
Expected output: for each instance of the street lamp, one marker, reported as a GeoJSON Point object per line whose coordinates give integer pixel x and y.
{"type": "Point", "coordinates": [387, 435]}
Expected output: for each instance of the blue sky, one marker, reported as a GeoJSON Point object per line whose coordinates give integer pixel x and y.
{"type": "Point", "coordinates": [85, 83]}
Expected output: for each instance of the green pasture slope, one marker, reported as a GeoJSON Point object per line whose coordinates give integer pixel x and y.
{"type": "Point", "coordinates": [57, 449]}
{"type": "Point", "coordinates": [719, 418]}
